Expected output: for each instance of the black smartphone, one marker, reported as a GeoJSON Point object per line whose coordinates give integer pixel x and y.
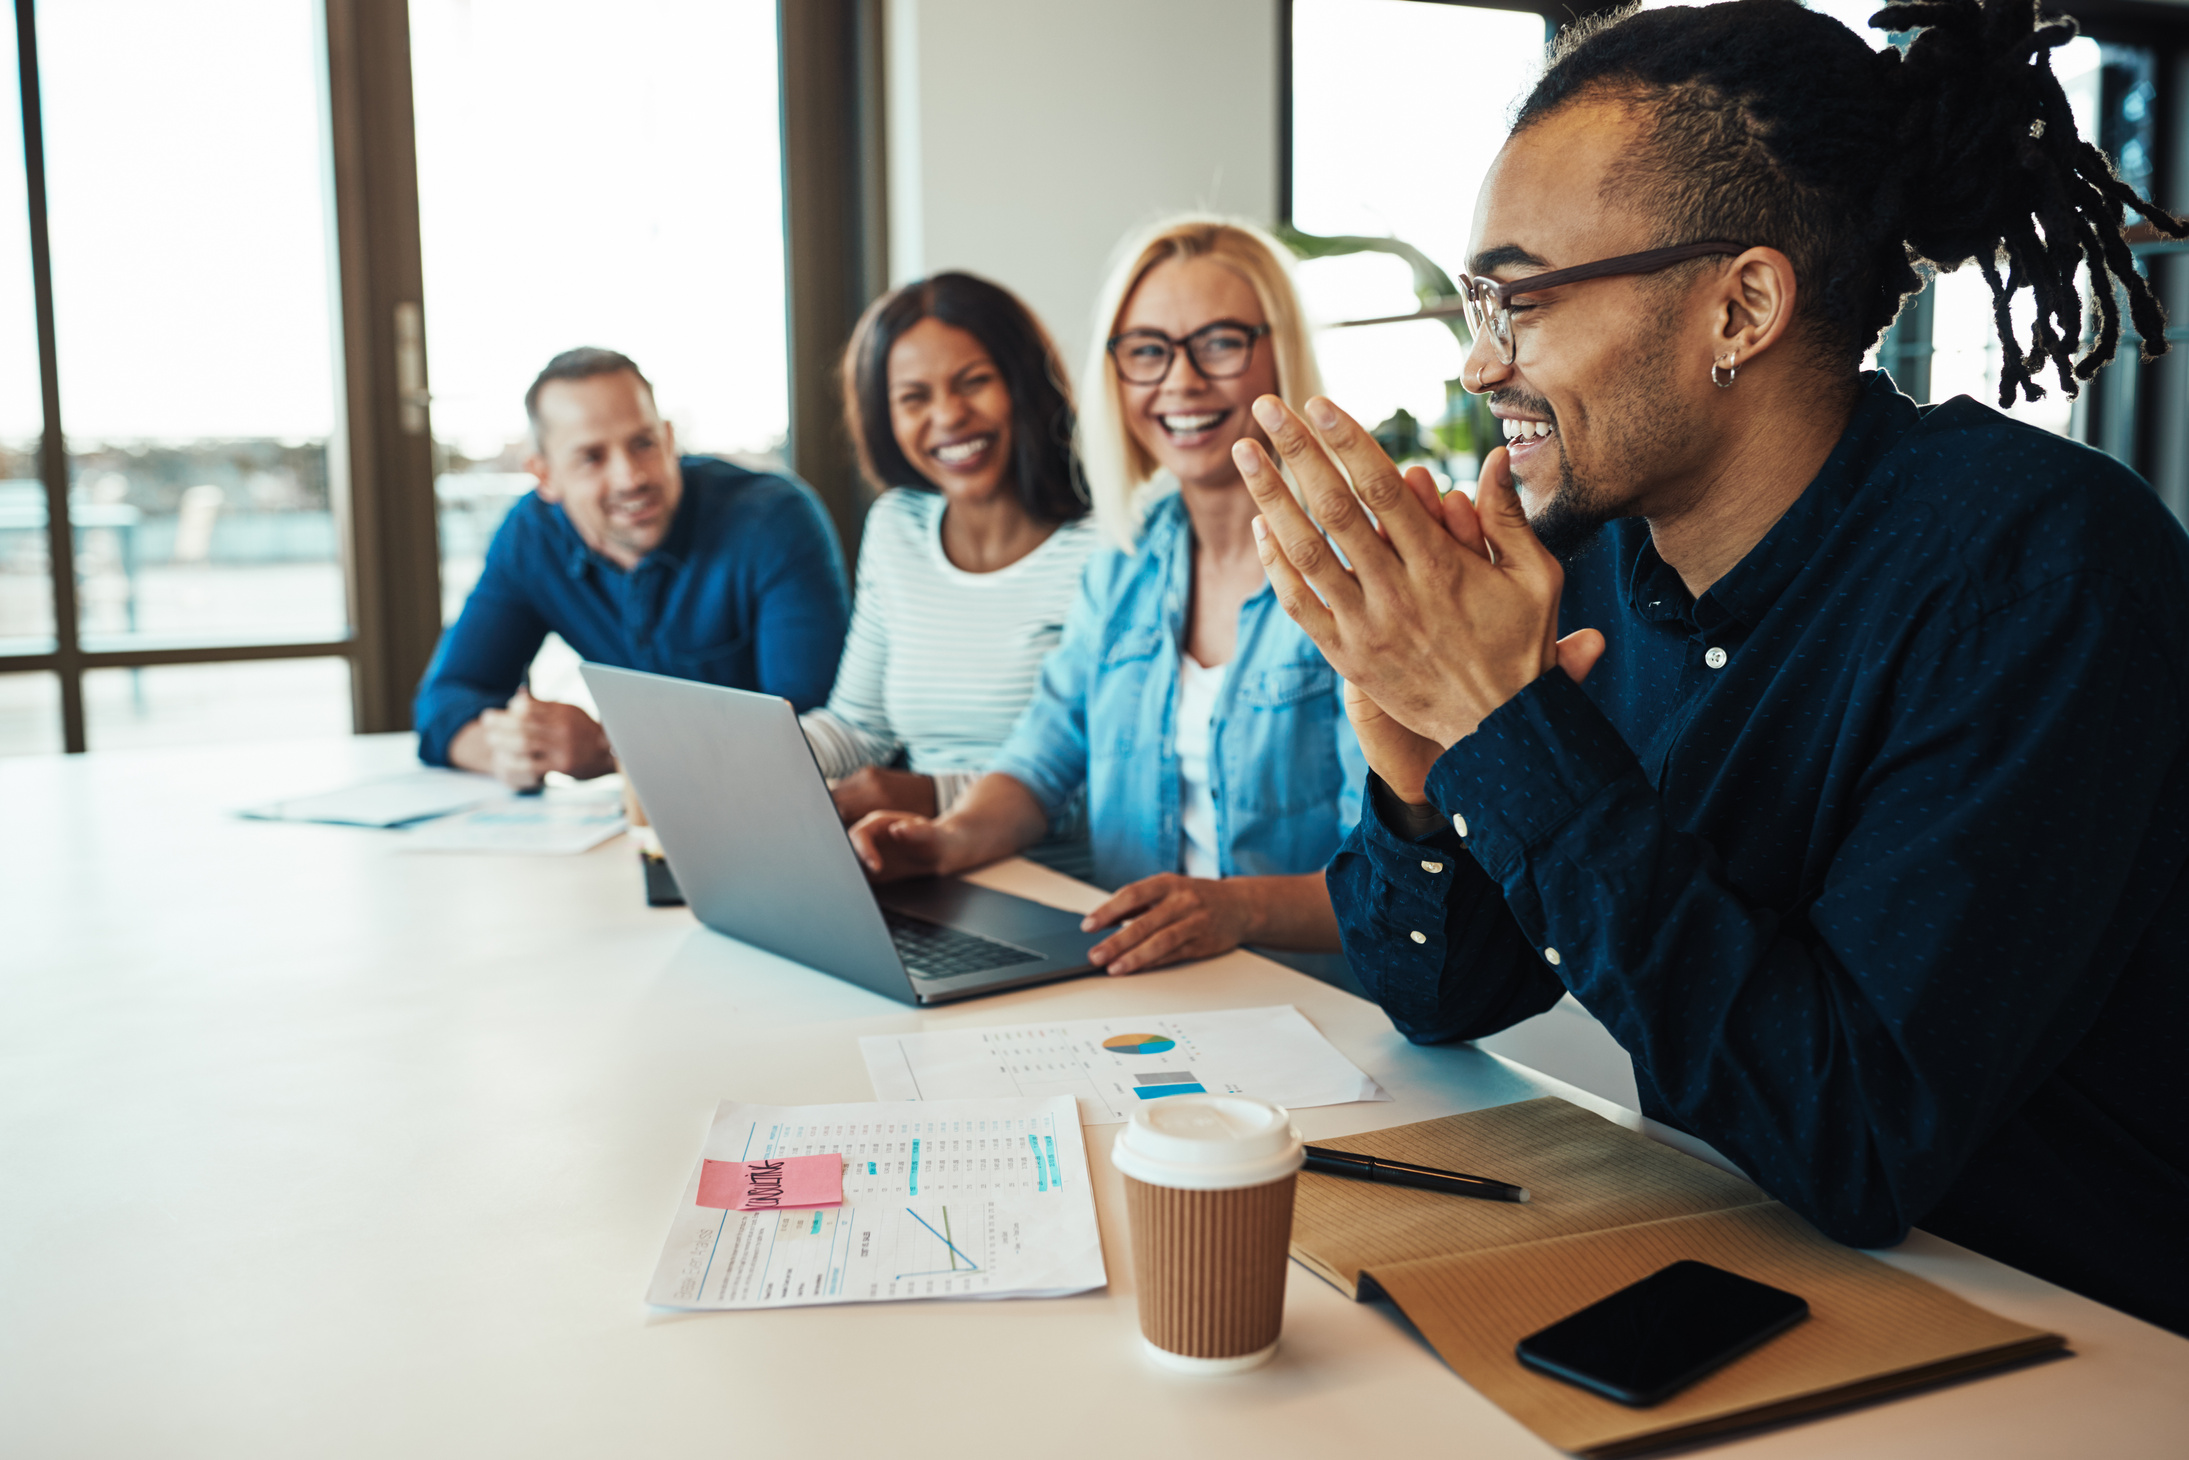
{"type": "Point", "coordinates": [661, 888]}
{"type": "Point", "coordinates": [1647, 1342]}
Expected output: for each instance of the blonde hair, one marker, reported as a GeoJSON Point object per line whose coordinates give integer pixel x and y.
{"type": "Point", "coordinates": [1116, 464]}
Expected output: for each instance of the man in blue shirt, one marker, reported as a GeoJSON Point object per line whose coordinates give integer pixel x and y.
{"type": "Point", "coordinates": [1868, 837]}
{"type": "Point", "coordinates": [693, 567]}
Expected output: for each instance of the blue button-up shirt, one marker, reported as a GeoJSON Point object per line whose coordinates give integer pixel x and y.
{"type": "Point", "coordinates": [1284, 767]}
{"type": "Point", "coordinates": [1872, 857]}
{"type": "Point", "coordinates": [746, 589]}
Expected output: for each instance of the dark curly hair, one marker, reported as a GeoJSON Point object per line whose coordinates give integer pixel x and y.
{"type": "Point", "coordinates": [1775, 125]}
{"type": "Point", "coordinates": [1044, 469]}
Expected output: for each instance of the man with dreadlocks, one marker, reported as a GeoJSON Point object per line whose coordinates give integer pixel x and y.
{"type": "Point", "coordinates": [1867, 834]}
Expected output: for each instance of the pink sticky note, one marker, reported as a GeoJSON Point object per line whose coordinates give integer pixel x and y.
{"type": "Point", "coordinates": [792, 1181]}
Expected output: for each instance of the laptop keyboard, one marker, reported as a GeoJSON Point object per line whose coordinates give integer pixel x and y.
{"type": "Point", "coordinates": [930, 950]}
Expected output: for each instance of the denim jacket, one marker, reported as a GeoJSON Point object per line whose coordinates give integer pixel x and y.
{"type": "Point", "coordinates": [1284, 766]}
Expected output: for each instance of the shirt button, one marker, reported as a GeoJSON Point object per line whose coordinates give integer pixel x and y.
{"type": "Point", "coordinates": [1550, 956]}
{"type": "Point", "coordinates": [1432, 867]}
{"type": "Point", "coordinates": [1715, 658]}
{"type": "Point", "coordinates": [1419, 937]}
{"type": "Point", "coordinates": [1459, 824]}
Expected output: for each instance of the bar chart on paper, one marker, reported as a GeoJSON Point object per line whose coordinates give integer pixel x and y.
{"type": "Point", "coordinates": [942, 1199]}
{"type": "Point", "coordinates": [1114, 1066]}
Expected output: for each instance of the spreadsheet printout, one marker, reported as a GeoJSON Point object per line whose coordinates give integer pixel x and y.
{"type": "Point", "coordinates": [1113, 1066]}
{"type": "Point", "coordinates": [942, 1199]}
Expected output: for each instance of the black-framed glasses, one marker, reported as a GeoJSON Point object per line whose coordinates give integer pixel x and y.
{"type": "Point", "coordinates": [1219, 351]}
{"type": "Point", "coordinates": [1489, 301]}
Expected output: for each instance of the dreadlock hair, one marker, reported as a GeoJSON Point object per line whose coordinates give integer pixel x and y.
{"type": "Point", "coordinates": [1771, 124]}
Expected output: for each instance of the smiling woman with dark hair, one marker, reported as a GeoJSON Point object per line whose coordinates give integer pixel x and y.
{"type": "Point", "coordinates": [1037, 455]}
{"type": "Point", "coordinates": [954, 397]}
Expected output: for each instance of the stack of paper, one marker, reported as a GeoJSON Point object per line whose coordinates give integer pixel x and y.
{"type": "Point", "coordinates": [531, 825]}
{"type": "Point", "coordinates": [942, 1199]}
{"type": "Point", "coordinates": [389, 801]}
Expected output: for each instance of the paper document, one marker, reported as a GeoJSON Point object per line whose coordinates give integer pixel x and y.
{"type": "Point", "coordinates": [942, 1199]}
{"type": "Point", "coordinates": [390, 801]}
{"type": "Point", "coordinates": [534, 825]}
{"type": "Point", "coordinates": [1114, 1065]}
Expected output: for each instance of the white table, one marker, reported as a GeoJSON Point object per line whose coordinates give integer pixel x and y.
{"type": "Point", "coordinates": [309, 1146]}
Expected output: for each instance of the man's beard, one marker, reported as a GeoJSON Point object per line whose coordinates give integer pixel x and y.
{"type": "Point", "coordinates": [1634, 417]}
{"type": "Point", "coordinates": [1570, 521]}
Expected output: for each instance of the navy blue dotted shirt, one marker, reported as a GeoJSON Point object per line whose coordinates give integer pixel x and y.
{"type": "Point", "coordinates": [1872, 857]}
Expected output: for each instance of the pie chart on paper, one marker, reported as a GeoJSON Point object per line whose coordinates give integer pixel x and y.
{"type": "Point", "coordinates": [1139, 1044]}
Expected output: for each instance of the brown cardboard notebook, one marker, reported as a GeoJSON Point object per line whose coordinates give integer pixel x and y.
{"type": "Point", "coordinates": [1609, 1208]}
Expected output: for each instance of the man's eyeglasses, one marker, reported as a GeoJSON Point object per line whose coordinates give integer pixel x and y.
{"type": "Point", "coordinates": [1489, 302]}
{"type": "Point", "coordinates": [1219, 351]}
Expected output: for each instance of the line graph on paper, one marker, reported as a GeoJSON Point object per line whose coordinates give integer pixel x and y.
{"type": "Point", "coordinates": [938, 1249]}
{"type": "Point", "coordinates": [947, 1244]}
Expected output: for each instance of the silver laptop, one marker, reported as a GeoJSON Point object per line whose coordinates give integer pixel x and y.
{"type": "Point", "coordinates": [753, 839]}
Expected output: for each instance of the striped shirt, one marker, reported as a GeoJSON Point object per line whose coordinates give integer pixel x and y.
{"type": "Point", "coordinates": [941, 662]}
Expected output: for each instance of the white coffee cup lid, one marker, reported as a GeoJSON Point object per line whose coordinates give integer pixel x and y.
{"type": "Point", "coordinates": [1209, 1143]}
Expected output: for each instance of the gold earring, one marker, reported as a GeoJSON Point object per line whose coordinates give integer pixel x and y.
{"type": "Point", "coordinates": [1732, 358]}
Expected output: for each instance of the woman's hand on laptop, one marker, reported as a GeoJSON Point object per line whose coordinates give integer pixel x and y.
{"type": "Point", "coordinates": [1169, 918]}
{"type": "Point", "coordinates": [897, 844]}
{"type": "Point", "coordinates": [994, 819]}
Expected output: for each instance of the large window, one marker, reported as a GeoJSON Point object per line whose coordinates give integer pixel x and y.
{"type": "Point", "coordinates": [595, 175]}
{"type": "Point", "coordinates": [185, 173]}
{"type": "Point", "coordinates": [241, 338]}
{"type": "Point", "coordinates": [184, 163]}
{"type": "Point", "coordinates": [1446, 79]}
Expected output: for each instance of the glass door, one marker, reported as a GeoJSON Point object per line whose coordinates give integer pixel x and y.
{"type": "Point", "coordinates": [184, 160]}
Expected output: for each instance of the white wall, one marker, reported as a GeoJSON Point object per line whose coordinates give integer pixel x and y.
{"type": "Point", "coordinates": [1026, 136]}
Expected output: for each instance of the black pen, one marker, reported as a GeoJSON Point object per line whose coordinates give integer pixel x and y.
{"type": "Point", "coordinates": [524, 687]}
{"type": "Point", "coordinates": [1406, 1173]}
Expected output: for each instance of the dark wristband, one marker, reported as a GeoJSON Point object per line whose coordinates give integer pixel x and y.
{"type": "Point", "coordinates": [1403, 817]}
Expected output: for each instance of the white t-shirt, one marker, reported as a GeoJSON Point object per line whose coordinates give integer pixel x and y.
{"type": "Point", "coordinates": [940, 662]}
{"type": "Point", "coordinates": [1197, 686]}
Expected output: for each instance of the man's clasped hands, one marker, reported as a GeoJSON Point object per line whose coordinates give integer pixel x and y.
{"type": "Point", "coordinates": [1441, 609]}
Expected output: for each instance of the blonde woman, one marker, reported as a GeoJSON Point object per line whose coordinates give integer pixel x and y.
{"type": "Point", "coordinates": [1206, 730]}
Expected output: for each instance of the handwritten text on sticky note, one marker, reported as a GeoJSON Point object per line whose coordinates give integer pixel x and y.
{"type": "Point", "coordinates": [791, 1181]}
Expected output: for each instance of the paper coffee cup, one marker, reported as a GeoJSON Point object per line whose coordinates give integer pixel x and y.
{"type": "Point", "coordinates": [1208, 1186]}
